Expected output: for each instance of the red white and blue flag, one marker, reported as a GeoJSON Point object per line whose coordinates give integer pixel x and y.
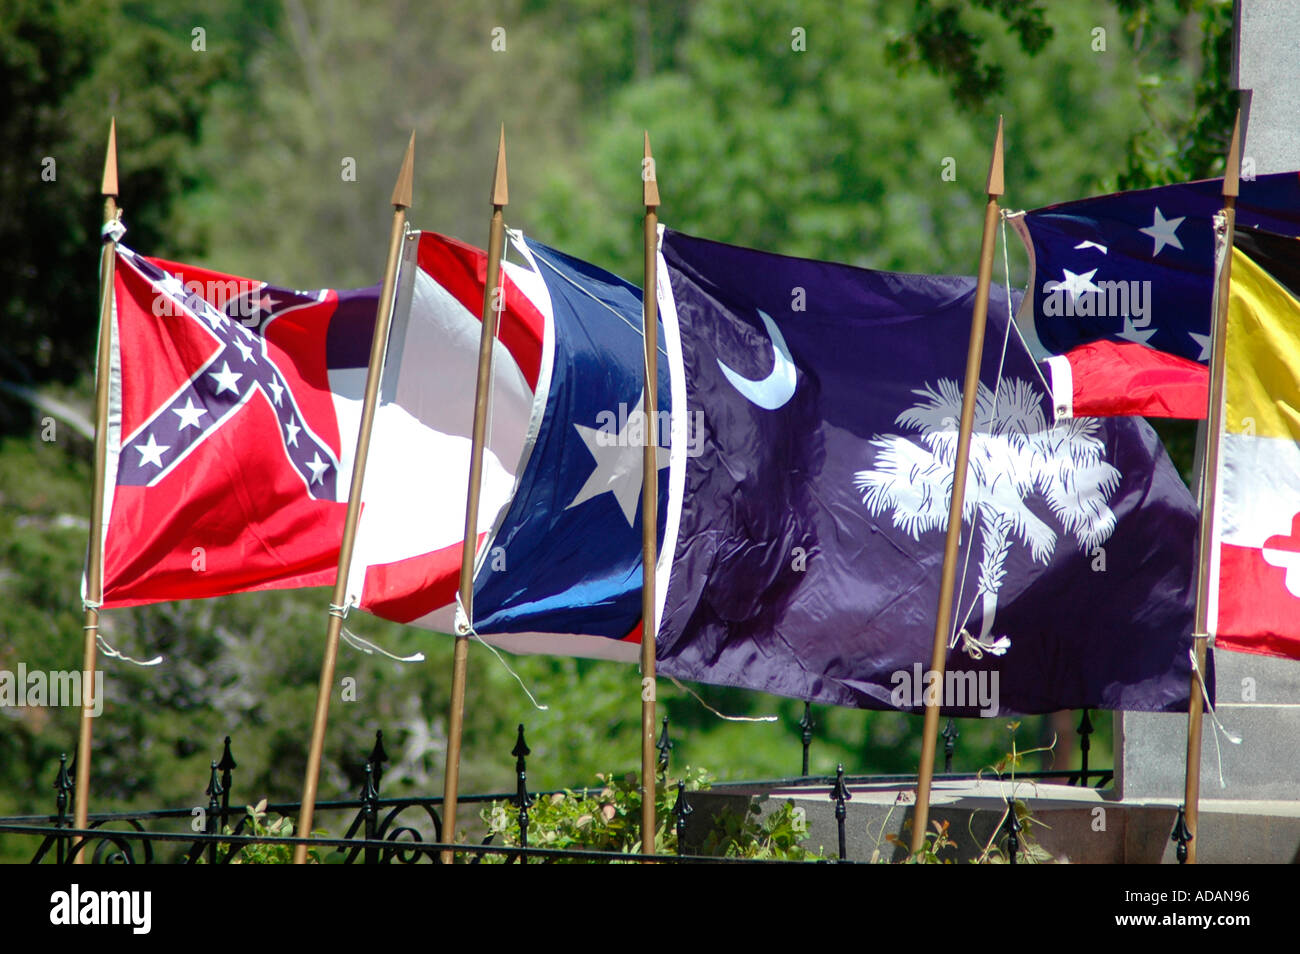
{"type": "Point", "coordinates": [1121, 290]}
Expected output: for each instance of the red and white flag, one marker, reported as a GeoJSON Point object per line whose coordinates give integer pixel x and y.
{"type": "Point", "coordinates": [233, 415]}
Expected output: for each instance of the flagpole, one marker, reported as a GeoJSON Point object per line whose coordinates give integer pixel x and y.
{"type": "Point", "coordinates": [95, 556]}
{"type": "Point", "coordinates": [1209, 486]}
{"type": "Point", "coordinates": [338, 607]}
{"type": "Point", "coordinates": [649, 498]}
{"type": "Point", "coordinates": [460, 660]}
{"type": "Point", "coordinates": [948, 580]}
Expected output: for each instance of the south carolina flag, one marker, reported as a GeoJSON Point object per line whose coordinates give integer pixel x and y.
{"type": "Point", "coordinates": [1255, 559]}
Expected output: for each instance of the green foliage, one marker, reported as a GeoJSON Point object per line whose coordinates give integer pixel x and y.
{"type": "Point", "coordinates": [609, 819]}
{"type": "Point", "coordinates": [262, 825]}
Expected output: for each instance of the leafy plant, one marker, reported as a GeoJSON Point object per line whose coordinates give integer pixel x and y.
{"type": "Point", "coordinates": [261, 824]}
{"type": "Point", "coordinates": [609, 819]}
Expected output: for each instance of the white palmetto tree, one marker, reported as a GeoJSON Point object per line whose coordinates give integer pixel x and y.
{"type": "Point", "coordinates": [1014, 455]}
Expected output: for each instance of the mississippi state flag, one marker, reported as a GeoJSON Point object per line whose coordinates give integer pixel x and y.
{"type": "Point", "coordinates": [233, 416]}
{"type": "Point", "coordinates": [1121, 290]}
{"type": "Point", "coordinates": [1255, 557]}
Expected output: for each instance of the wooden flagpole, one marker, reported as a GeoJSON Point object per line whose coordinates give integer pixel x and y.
{"type": "Point", "coordinates": [492, 306]}
{"type": "Point", "coordinates": [95, 556]}
{"type": "Point", "coordinates": [948, 580]}
{"type": "Point", "coordinates": [649, 498]}
{"type": "Point", "coordinates": [338, 607]}
{"type": "Point", "coordinates": [1209, 486]}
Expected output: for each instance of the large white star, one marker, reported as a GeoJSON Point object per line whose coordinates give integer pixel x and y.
{"type": "Point", "coordinates": [1163, 231]}
{"type": "Point", "coordinates": [189, 414]}
{"type": "Point", "coordinates": [1132, 332]}
{"type": "Point", "coordinates": [318, 468]}
{"type": "Point", "coordinates": [618, 465]}
{"type": "Point", "coordinates": [1204, 342]}
{"type": "Point", "coordinates": [152, 452]}
{"type": "Point", "coordinates": [276, 389]}
{"type": "Point", "coordinates": [225, 378]}
{"type": "Point", "coordinates": [1074, 285]}
{"type": "Point", "coordinates": [293, 430]}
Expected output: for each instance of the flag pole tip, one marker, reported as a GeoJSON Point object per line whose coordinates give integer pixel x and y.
{"type": "Point", "coordinates": [649, 179]}
{"type": "Point", "coordinates": [402, 190]}
{"type": "Point", "coordinates": [109, 186]}
{"type": "Point", "coordinates": [994, 185]}
{"type": "Point", "coordinates": [500, 193]}
{"type": "Point", "coordinates": [1232, 171]}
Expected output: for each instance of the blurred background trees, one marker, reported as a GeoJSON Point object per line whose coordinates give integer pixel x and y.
{"type": "Point", "coordinates": [812, 128]}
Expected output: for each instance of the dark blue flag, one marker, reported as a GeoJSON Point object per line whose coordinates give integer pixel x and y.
{"type": "Point", "coordinates": [565, 554]}
{"type": "Point", "coordinates": [1122, 291]}
{"type": "Point", "coordinates": [805, 529]}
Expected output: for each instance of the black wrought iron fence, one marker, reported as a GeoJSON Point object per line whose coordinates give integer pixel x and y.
{"type": "Point", "coordinates": [407, 830]}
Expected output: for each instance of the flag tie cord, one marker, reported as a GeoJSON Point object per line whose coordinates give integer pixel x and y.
{"type": "Point", "coordinates": [721, 715]}
{"type": "Point", "coordinates": [1214, 715]}
{"type": "Point", "coordinates": [104, 645]}
{"type": "Point", "coordinates": [470, 632]}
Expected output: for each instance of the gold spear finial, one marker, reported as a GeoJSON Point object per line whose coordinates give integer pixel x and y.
{"type": "Point", "coordinates": [402, 190]}
{"type": "Point", "coordinates": [649, 178]}
{"type": "Point", "coordinates": [500, 194]}
{"type": "Point", "coordinates": [109, 186]}
{"type": "Point", "coordinates": [994, 186]}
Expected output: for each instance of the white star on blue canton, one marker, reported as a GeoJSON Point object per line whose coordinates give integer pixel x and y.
{"type": "Point", "coordinates": [1162, 231]}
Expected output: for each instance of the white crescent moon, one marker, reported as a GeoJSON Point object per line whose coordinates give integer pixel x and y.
{"type": "Point", "coordinates": [778, 387]}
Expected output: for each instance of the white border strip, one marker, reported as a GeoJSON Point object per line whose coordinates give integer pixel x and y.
{"type": "Point", "coordinates": [679, 419]}
{"type": "Point", "coordinates": [1062, 375]}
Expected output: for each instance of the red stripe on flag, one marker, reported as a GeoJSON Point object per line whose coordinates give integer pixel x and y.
{"type": "Point", "coordinates": [405, 590]}
{"type": "Point", "coordinates": [462, 270]}
{"type": "Point", "coordinates": [1113, 379]}
{"type": "Point", "coordinates": [1257, 613]}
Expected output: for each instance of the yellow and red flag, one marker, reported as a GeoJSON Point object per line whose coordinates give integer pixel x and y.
{"type": "Point", "coordinates": [1255, 559]}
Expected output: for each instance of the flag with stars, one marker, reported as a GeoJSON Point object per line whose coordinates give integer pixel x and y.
{"type": "Point", "coordinates": [565, 555]}
{"type": "Point", "coordinates": [234, 409]}
{"type": "Point", "coordinates": [1121, 291]}
{"type": "Point", "coordinates": [1255, 554]}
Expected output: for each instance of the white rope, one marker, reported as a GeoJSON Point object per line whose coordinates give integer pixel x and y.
{"type": "Point", "coordinates": [112, 653]}
{"type": "Point", "coordinates": [603, 304]}
{"type": "Point", "coordinates": [1011, 318]}
{"type": "Point", "coordinates": [1214, 716]}
{"type": "Point", "coordinates": [470, 632]}
{"type": "Point", "coordinates": [369, 648]}
{"type": "Point", "coordinates": [104, 645]}
{"type": "Point", "coordinates": [958, 628]}
{"type": "Point", "coordinates": [729, 718]}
